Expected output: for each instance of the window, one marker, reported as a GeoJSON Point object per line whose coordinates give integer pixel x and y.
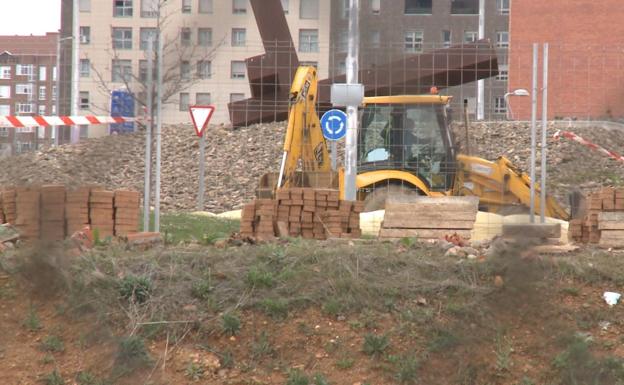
{"type": "Point", "coordinates": [238, 69]}
{"type": "Point", "coordinates": [5, 72]}
{"type": "Point", "coordinates": [308, 40]}
{"type": "Point", "coordinates": [42, 109]}
{"type": "Point", "coordinates": [185, 70]}
{"type": "Point", "coordinates": [500, 107]}
{"type": "Point", "coordinates": [185, 37]}
{"type": "Point", "coordinates": [202, 98]}
{"type": "Point", "coordinates": [85, 68]}
{"type": "Point", "coordinates": [503, 72]}
{"type": "Point", "coordinates": [470, 36]}
{"type": "Point", "coordinates": [122, 8]}
{"type": "Point", "coordinates": [54, 96]}
{"type": "Point", "coordinates": [205, 6]}
{"type": "Point", "coordinates": [186, 6]}
{"type": "Point", "coordinates": [53, 113]}
{"type": "Point", "coordinates": [122, 38]}
{"type": "Point", "coordinates": [122, 71]}
{"type": "Point", "coordinates": [85, 35]}
{"type": "Point", "coordinates": [503, 7]}
{"type": "Point", "coordinates": [309, 9]}
{"type": "Point", "coordinates": [145, 34]}
{"type": "Point", "coordinates": [42, 93]}
{"type": "Point", "coordinates": [418, 7]}
{"type": "Point", "coordinates": [236, 97]}
{"type": "Point", "coordinates": [239, 7]}
{"type": "Point", "coordinates": [375, 39]}
{"type": "Point", "coordinates": [4, 131]}
{"type": "Point", "coordinates": [239, 37]}
{"type": "Point", "coordinates": [375, 7]}
{"type": "Point", "coordinates": [23, 108]}
{"type": "Point", "coordinates": [5, 110]}
{"type": "Point", "coordinates": [204, 69]}
{"type": "Point", "coordinates": [43, 73]}
{"type": "Point", "coordinates": [23, 89]}
{"type": "Point", "coordinates": [184, 101]}
{"type": "Point", "coordinates": [149, 8]}
{"type": "Point", "coordinates": [24, 70]}
{"type": "Point", "coordinates": [413, 41]}
{"type": "Point", "coordinates": [54, 73]}
{"type": "Point", "coordinates": [285, 6]}
{"type": "Point", "coordinates": [446, 38]}
{"type": "Point", "coordinates": [502, 39]}
{"type": "Point", "coordinates": [204, 37]}
{"type": "Point", "coordinates": [84, 100]}
{"type": "Point", "coordinates": [84, 5]}
{"type": "Point", "coordinates": [5, 92]}
{"type": "Point", "coordinates": [464, 7]}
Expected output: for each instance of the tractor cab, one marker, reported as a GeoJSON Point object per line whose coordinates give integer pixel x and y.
{"type": "Point", "coordinates": [408, 134]}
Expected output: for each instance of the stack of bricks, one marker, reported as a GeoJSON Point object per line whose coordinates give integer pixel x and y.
{"type": "Point", "coordinates": [77, 210]}
{"type": "Point", "coordinates": [28, 212]}
{"type": "Point", "coordinates": [101, 212]}
{"type": "Point", "coordinates": [306, 212]}
{"type": "Point", "coordinates": [126, 212]}
{"type": "Point", "coordinates": [53, 212]}
{"type": "Point", "coordinates": [587, 230]}
{"type": "Point", "coordinates": [8, 206]}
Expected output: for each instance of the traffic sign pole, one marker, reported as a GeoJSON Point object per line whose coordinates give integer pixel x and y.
{"type": "Point", "coordinates": [334, 155]}
{"type": "Point", "coordinates": [200, 115]}
{"type": "Point", "coordinates": [334, 127]}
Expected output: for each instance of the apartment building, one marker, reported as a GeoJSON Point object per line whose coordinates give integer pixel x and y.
{"type": "Point", "coordinates": [205, 42]}
{"type": "Point", "coordinates": [392, 29]}
{"type": "Point", "coordinates": [27, 87]}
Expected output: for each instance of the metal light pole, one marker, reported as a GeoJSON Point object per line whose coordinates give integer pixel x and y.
{"type": "Point", "coordinates": [544, 133]}
{"type": "Point", "coordinates": [481, 83]}
{"type": "Point", "coordinates": [148, 136]}
{"type": "Point", "coordinates": [158, 133]}
{"type": "Point", "coordinates": [533, 132]}
{"type": "Point", "coordinates": [352, 115]}
{"type": "Point", "coordinates": [75, 130]}
{"type": "Point", "coordinates": [518, 92]}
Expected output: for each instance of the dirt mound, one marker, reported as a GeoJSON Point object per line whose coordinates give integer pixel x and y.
{"type": "Point", "coordinates": [237, 158]}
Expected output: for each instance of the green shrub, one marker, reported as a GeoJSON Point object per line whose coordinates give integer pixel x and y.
{"type": "Point", "coordinates": [32, 321]}
{"type": "Point", "coordinates": [230, 324]}
{"type": "Point", "coordinates": [135, 288]}
{"type": "Point", "coordinates": [275, 308]}
{"type": "Point", "coordinates": [257, 277]}
{"type": "Point", "coordinates": [54, 378]}
{"type": "Point", "coordinates": [297, 377]}
{"type": "Point", "coordinates": [131, 354]}
{"type": "Point", "coordinates": [375, 345]}
{"type": "Point", "coordinates": [407, 370]}
{"type": "Point", "coordinates": [52, 344]}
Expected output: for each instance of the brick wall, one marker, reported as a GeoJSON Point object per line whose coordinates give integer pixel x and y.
{"type": "Point", "coordinates": [586, 74]}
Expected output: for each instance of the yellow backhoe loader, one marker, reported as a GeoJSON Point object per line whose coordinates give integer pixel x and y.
{"type": "Point", "coordinates": [405, 146]}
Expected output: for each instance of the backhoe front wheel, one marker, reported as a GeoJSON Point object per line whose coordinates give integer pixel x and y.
{"type": "Point", "coordinates": [376, 200]}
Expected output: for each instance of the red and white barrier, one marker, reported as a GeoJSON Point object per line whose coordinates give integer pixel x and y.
{"type": "Point", "coordinates": [47, 121]}
{"type": "Point", "coordinates": [587, 143]}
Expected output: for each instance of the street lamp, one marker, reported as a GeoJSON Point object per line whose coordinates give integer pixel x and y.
{"type": "Point", "coordinates": [518, 92]}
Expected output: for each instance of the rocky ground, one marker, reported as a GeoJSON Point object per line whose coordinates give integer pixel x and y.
{"type": "Point", "coordinates": [235, 159]}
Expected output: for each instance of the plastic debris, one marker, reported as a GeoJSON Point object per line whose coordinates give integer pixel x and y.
{"type": "Point", "coordinates": [611, 298]}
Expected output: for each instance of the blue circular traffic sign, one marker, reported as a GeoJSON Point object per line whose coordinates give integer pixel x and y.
{"type": "Point", "coordinates": [334, 124]}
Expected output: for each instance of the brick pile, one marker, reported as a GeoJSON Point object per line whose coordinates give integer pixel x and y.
{"type": "Point", "coordinates": [102, 213]}
{"type": "Point", "coordinates": [28, 212]}
{"type": "Point", "coordinates": [77, 209]}
{"type": "Point", "coordinates": [8, 205]}
{"type": "Point", "coordinates": [53, 212]}
{"type": "Point", "coordinates": [306, 212]}
{"type": "Point", "coordinates": [126, 212]}
{"type": "Point", "coordinates": [588, 229]}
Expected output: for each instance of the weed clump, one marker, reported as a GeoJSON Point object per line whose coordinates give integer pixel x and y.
{"type": "Point", "coordinates": [407, 370]}
{"type": "Point", "coordinates": [52, 344]}
{"type": "Point", "coordinates": [275, 308]}
{"type": "Point", "coordinates": [230, 324]}
{"type": "Point", "coordinates": [131, 354]}
{"type": "Point", "coordinates": [297, 377]}
{"type": "Point", "coordinates": [54, 378]}
{"type": "Point", "coordinates": [135, 288]}
{"type": "Point", "coordinates": [375, 345]}
{"type": "Point", "coordinates": [577, 365]}
{"type": "Point", "coordinates": [32, 321]}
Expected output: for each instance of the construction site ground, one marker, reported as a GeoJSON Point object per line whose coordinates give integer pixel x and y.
{"type": "Point", "coordinates": [208, 309]}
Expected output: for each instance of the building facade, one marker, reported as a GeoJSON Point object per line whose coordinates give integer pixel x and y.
{"type": "Point", "coordinates": [391, 29]}
{"type": "Point", "coordinates": [586, 57]}
{"type": "Point", "coordinates": [28, 75]}
{"type": "Point", "coordinates": [205, 44]}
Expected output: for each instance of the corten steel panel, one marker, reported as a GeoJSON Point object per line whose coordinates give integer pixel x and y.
{"type": "Point", "coordinates": [271, 74]}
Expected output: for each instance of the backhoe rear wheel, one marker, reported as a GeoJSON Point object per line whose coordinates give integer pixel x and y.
{"type": "Point", "coordinates": [377, 199]}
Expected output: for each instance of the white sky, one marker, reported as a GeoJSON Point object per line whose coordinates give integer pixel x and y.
{"type": "Point", "coordinates": [25, 17]}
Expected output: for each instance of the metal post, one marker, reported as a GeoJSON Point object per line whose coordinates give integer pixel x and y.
{"type": "Point", "coordinates": [148, 136]}
{"type": "Point", "coordinates": [202, 172]}
{"type": "Point", "coordinates": [352, 116]}
{"type": "Point", "coordinates": [481, 83]}
{"type": "Point", "coordinates": [55, 129]}
{"type": "Point", "coordinates": [533, 131]}
{"type": "Point", "coordinates": [158, 132]}
{"type": "Point", "coordinates": [544, 133]}
{"type": "Point", "coordinates": [334, 155]}
{"type": "Point", "coordinates": [75, 129]}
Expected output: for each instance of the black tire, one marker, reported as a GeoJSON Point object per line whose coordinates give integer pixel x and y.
{"type": "Point", "coordinates": [377, 199]}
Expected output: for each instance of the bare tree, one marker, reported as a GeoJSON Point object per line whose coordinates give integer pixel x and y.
{"type": "Point", "coordinates": [184, 63]}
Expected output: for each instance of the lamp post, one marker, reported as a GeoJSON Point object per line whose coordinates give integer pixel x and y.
{"type": "Point", "coordinates": [518, 92]}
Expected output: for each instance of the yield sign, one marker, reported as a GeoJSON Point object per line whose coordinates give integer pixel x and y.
{"type": "Point", "coordinates": [200, 115]}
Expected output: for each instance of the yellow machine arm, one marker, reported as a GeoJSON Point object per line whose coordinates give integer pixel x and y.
{"type": "Point", "coordinates": [304, 145]}
{"type": "Point", "coordinates": [499, 185]}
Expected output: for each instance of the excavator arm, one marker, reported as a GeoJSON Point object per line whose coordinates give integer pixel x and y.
{"type": "Point", "coordinates": [304, 145]}
{"type": "Point", "coordinates": [500, 185]}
